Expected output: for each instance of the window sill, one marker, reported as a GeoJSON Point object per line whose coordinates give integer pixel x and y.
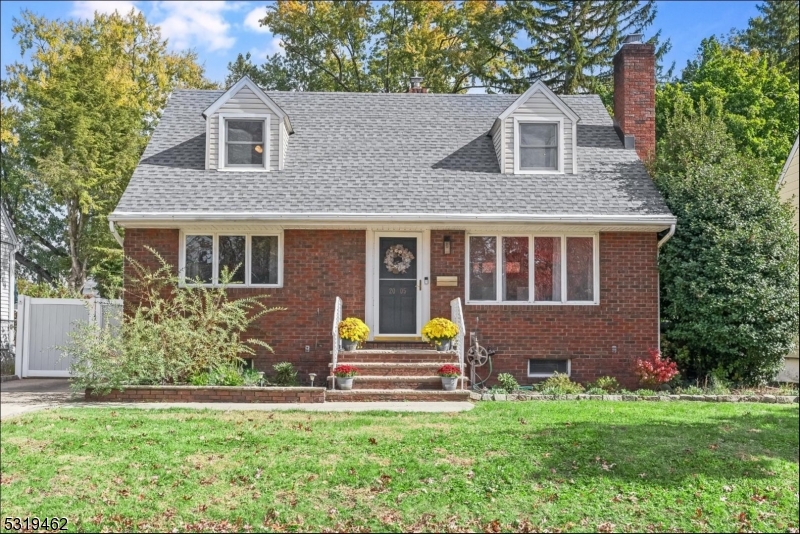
{"type": "Point", "coordinates": [232, 286]}
{"type": "Point", "coordinates": [553, 171]}
{"type": "Point", "coordinates": [242, 169]}
{"type": "Point", "coordinates": [528, 303]}
{"type": "Point", "coordinates": [545, 375]}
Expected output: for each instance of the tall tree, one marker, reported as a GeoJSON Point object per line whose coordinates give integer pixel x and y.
{"type": "Point", "coordinates": [775, 34]}
{"type": "Point", "coordinates": [86, 102]}
{"type": "Point", "coordinates": [358, 45]}
{"type": "Point", "coordinates": [729, 275]}
{"type": "Point", "coordinates": [570, 44]}
{"type": "Point", "coordinates": [757, 102]}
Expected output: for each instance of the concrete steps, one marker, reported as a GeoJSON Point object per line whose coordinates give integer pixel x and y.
{"type": "Point", "coordinates": [376, 395]}
{"type": "Point", "coordinates": [387, 374]}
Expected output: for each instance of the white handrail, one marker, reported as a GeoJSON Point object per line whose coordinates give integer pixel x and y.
{"type": "Point", "coordinates": [337, 318]}
{"type": "Point", "coordinates": [457, 316]}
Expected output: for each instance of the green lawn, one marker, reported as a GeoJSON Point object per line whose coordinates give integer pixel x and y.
{"type": "Point", "coordinates": [557, 466]}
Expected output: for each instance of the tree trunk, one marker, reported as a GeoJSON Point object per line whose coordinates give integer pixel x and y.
{"type": "Point", "coordinates": [75, 223]}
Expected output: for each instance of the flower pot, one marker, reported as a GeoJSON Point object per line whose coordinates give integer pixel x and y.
{"type": "Point", "coordinates": [444, 345]}
{"type": "Point", "coordinates": [349, 345]}
{"type": "Point", "coordinates": [344, 382]}
{"type": "Point", "coordinates": [449, 383]}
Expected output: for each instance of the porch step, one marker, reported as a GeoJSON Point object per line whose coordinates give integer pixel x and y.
{"type": "Point", "coordinates": [395, 383]}
{"type": "Point", "coordinates": [397, 356]}
{"type": "Point", "coordinates": [397, 345]}
{"type": "Point", "coordinates": [389, 368]}
{"type": "Point", "coordinates": [375, 395]}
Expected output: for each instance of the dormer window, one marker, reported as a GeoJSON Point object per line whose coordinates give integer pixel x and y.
{"type": "Point", "coordinates": [244, 143]}
{"type": "Point", "coordinates": [539, 145]}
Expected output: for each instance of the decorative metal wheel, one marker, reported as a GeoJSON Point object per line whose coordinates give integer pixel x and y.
{"type": "Point", "coordinates": [477, 356]}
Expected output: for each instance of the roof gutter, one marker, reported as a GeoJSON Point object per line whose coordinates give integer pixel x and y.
{"type": "Point", "coordinates": [115, 233]}
{"type": "Point", "coordinates": [655, 220]}
{"type": "Point", "coordinates": [668, 236]}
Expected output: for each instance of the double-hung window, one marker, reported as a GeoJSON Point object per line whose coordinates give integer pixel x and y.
{"type": "Point", "coordinates": [253, 260]}
{"type": "Point", "coordinates": [244, 142]}
{"type": "Point", "coordinates": [532, 269]}
{"type": "Point", "coordinates": [538, 146]}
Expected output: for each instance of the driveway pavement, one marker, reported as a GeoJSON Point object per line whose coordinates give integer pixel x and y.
{"type": "Point", "coordinates": [31, 394]}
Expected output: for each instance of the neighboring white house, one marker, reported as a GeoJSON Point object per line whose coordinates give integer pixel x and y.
{"type": "Point", "coordinates": [788, 187]}
{"type": "Point", "coordinates": [8, 247]}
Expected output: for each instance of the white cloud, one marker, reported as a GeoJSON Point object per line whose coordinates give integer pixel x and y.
{"type": "Point", "coordinates": [251, 20]}
{"type": "Point", "coordinates": [195, 24]}
{"type": "Point", "coordinates": [86, 9]}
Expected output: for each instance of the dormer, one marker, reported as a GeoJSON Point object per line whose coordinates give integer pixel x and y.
{"type": "Point", "coordinates": [246, 131]}
{"type": "Point", "coordinates": [536, 134]}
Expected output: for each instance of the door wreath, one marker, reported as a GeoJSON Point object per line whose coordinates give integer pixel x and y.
{"type": "Point", "coordinates": [398, 259]}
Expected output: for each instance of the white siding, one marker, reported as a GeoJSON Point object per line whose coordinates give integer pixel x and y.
{"type": "Point", "coordinates": [789, 189]}
{"type": "Point", "coordinates": [497, 139]}
{"type": "Point", "coordinates": [8, 244]}
{"type": "Point", "coordinates": [284, 145]}
{"type": "Point", "coordinates": [538, 104]}
{"type": "Point", "coordinates": [245, 101]}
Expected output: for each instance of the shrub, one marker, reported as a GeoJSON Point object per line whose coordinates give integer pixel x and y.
{"type": "Point", "coordinates": [655, 370]}
{"type": "Point", "coordinates": [596, 391]}
{"type": "Point", "coordinates": [285, 374]}
{"type": "Point", "coordinates": [43, 290]}
{"type": "Point", "coordinates": [252, 377]}
{"type": "Point", "coordinates": [689, 390]}
{"type": "Point", "coordinates": [353, 329]}
{"type": "Point", "coordinates": [560, 384]}
{"type": "Point", "coordinates": [608, 384]}
{"type": "Point", "coordinates": [345, 371]}
{"type": "Point", "coordinates": [202, 379]}
{"type": "Point", "coordinates": [729, 275]}
{"type": "Point", "coordinates": [439, 329]}
{"type": "Point", "coordinates": [645, 392]}
{"type": "Point", "coordinates": [449, 371]}
{"type": "Point", "coordinates": [175, 333]}
{"type": "Point", "coordinates": [508, 382]}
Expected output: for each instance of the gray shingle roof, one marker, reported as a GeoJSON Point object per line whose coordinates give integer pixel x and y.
{"type": "Point", "coordinates": [387, 153]}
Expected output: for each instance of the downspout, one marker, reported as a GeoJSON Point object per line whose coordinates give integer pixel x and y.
{"type": "Point", "coordinates": [661, 242]}
{"type": "Point", "coordinates": [122, 243]}
{"type": "Point", "coordinates": [668, 236]}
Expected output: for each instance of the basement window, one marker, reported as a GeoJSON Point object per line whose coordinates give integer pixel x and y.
{"type": "Point", "coordinates": [546, 368]}
{"type": "Point", "coordinates": [252, 260]}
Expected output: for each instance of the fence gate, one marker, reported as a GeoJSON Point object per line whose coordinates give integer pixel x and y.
{"type": "Point", "coordinates": [43, 325]}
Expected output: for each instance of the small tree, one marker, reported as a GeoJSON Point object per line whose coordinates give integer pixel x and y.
{"type": "Point", "coordinates": [729, 276]}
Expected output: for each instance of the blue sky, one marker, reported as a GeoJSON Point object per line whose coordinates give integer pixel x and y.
{"type": "Point", "coordinates": [218, 31]}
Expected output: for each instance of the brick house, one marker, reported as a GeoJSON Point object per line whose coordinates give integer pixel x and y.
{"type": "Point", "coordinates": [534, 210]}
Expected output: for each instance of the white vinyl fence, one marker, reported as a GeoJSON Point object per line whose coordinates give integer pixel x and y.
{"type": "Point", "coordinates": [43, 325]}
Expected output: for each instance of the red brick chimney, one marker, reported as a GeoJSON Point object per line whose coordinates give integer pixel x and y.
{"type": "Point", "coordinates": [635, 95]}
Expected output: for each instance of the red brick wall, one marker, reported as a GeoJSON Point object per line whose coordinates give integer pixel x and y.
{"type": "Point", "coordinates": [318, 266]}
{"type": "Point", "coordinates": [635, 95]}
{"type": "Point", "coordinates": [210, 394]}
{"type": "Point", "coordinates": [627, 316]}
{"type": "Point", "coordinates": [321, 264]}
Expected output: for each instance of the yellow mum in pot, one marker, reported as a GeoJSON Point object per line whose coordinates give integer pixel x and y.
{"type": "Point", "coordinates": [440, 331]}
{"type": "Point", "coordinates": [353, 330]}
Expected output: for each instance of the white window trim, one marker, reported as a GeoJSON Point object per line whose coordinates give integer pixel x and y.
{"type": "Point", "coordinates": [531, 271]}
{"type": "Point", "coordinates": [215, 263]}
{"type": "Point", "coordinates": [547, 375]}
{"type": "Point", "coordinates": [223, 135]}
{"type": "Point", "coordinates": [526, 119]}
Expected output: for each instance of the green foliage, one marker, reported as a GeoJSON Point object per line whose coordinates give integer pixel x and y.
{"type": "Point", "coordinates": [357, 45]}
{"type": "Point", "coordinates": [560, 384]}
{"type": "Point", "coordinates": [85, 99]}
{"type": "Point", "coordinates": [508, 382]}
{"type": "Point", "coordinates": [594, 390]}
{"type": "Point", "coordinates": [757, 102]}
{"type": "Point", "coordinates": [645, 393]}
{"type": "Point", "coordinates": [174, 334]}
{"type": "Point", "coordinates": [571, 43]}
{"type": "Point", "coordinates": [608, 384]}
{"type": "Point", "coordinates": [44, 290]}
{"type": "Point", "coordinates": [729, 275]}
{"type": "Point", "coordinates": [285, 374]}
{"type": "Point", "coordinates": [775, 34]}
